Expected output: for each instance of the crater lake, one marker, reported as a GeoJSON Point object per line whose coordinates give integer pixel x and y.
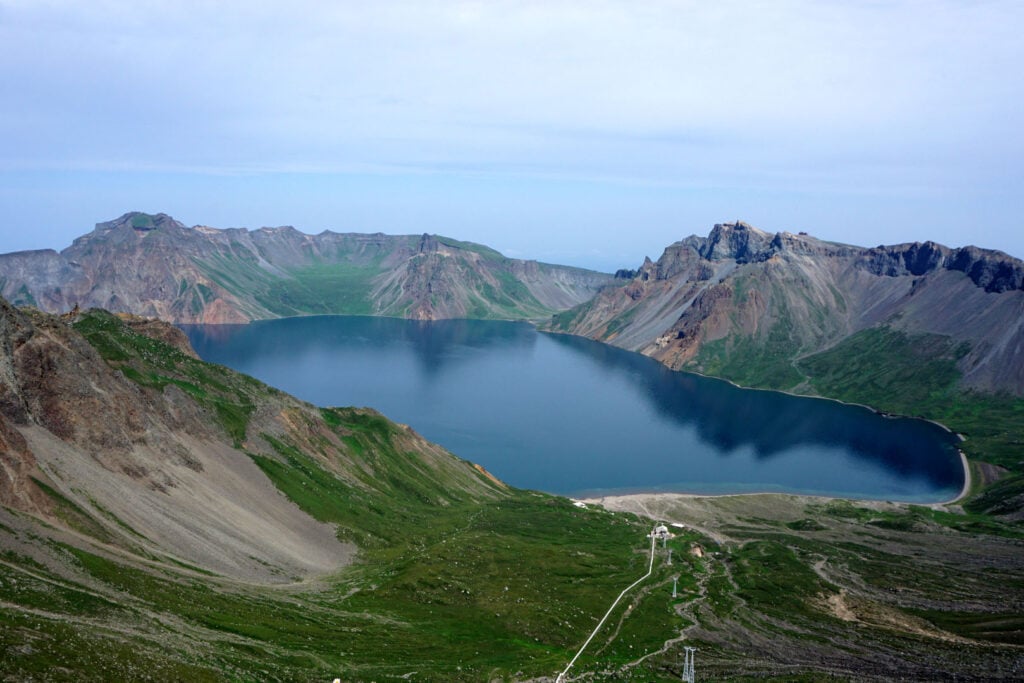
{"type": "Point", "coordinates": [576, 417]}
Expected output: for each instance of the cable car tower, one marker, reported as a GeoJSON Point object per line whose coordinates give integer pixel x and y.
{"type": "Point", "coordinates": [688, 665]}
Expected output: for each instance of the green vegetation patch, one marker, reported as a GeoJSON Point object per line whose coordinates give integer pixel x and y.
{"type": "Point", "coordinates": [72, 514]}
{"type": "Point", "coordinates": [884, 365]}
{"type": "Point", "coordinates": [338, 289]}
{"type": "Point", "coordinates": [1003, 497]}
{"type": "Point", "coordinates": [753, 361]}
{"type": "Point", "coordinates": [46, 648]}
{"type": "Point", "coordinates": [381, 491]}
{"type": "Point", "coordinates": [510, 586]}
{"type": "Point", "coordinates": [773, 578]}
{"type": "Point", "coordinates": [142, 220]}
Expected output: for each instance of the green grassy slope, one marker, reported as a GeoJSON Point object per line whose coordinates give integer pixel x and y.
{"type": "Point", "coordinates": [338, 288]}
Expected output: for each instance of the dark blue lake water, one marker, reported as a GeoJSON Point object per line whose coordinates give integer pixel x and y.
{"type": "Point", "coordinates": [571, 416]}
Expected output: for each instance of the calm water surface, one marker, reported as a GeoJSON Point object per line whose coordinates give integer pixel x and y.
{"type": "Point", "coordinates": [572, 416]}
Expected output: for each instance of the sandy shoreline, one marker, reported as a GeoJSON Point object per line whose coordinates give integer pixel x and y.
{"type": "Point", "coordinates": [640, 501]}
{"type": "Point", "coordinates": [666, 495]}
{"type": "Point", "coordinates": [967, 480]}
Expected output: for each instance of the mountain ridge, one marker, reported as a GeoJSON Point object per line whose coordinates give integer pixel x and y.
{"type": "Point", "coordinates": [156, 266]}
{"type": "Point", "coordinates": [743, 283]}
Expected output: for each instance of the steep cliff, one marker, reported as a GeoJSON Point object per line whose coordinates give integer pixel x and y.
{"type": "Point", "coordinates": [153, 265]}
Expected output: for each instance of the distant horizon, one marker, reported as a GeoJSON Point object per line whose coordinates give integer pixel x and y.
{"type": "Point", "coordinates": [572, 132]}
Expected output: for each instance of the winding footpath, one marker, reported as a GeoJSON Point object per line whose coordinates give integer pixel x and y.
{"type": "Point", "coordinates": [650, 568]}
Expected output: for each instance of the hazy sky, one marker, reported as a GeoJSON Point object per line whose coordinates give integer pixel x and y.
{"type": "Point", "coordinates": [590, 133]}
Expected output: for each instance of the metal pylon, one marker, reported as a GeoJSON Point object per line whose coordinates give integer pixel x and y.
{"type": "Point", "coordinates": [688, 664]}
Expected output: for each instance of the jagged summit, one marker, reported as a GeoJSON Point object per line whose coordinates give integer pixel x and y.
{"type": "Point", "coordinates": [740, 241]}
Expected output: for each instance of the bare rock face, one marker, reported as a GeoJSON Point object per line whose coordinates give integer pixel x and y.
{"type": "Point", "coordinates": [63, 385]}
{"type": "Point", "coordinates": [154, 266]}
{"type": "Point", "coordinates": [17, 466]}
{"type": "Point", "coordinates": [993, 271]}
{"type": "Point", "coordinates": [738, 241]}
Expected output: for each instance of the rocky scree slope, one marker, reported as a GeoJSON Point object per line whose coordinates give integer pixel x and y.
{"type": "Point", "coordinates": [153, 265]}
{"type": "Point", "coordinates": [112, 428]}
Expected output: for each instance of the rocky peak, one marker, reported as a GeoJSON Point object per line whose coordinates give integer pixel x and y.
{"type": "Point", "coordinates": [429, 244]}
{"type": "Point", "coordinates": [736, 241]}
{"type": "Point", "coordinates": [143, 222]}
{"type": "Point", "coordinates": [991, 270]}
{"type": "Point", "coordinates": [648, 271]}
{"type": "Point", "coordinates": [128, 228]}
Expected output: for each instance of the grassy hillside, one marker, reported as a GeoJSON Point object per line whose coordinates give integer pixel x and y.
{"type": "Point", "coordinates": [336, 288]}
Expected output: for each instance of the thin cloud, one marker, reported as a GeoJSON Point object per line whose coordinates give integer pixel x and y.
{"type": "Point", "coordinates": [918, 99]}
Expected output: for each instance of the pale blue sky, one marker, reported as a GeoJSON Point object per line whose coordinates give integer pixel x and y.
{"type": "Point", "coordinates": [590, 133]}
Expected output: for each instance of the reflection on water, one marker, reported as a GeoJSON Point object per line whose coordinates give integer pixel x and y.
{"type": "Point", "coordinates": [729, 418]}
{"type": "Point", "coordinates": [430, 342]}
{"type": "Point", "coordinates": [569, 415]}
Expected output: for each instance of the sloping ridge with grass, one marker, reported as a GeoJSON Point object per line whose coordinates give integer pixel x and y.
{"type": "Point", "coordinates": [914, 329]}
{"type": "Point", "coordinates": [153, 265]}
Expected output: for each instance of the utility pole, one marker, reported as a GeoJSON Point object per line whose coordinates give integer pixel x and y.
{"type": "Point", "coordinates": [675, 580]}
{"type": "Point", "coordinates": [670, 557]}
{"type": "Point", "coordinates": [688, 665]}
